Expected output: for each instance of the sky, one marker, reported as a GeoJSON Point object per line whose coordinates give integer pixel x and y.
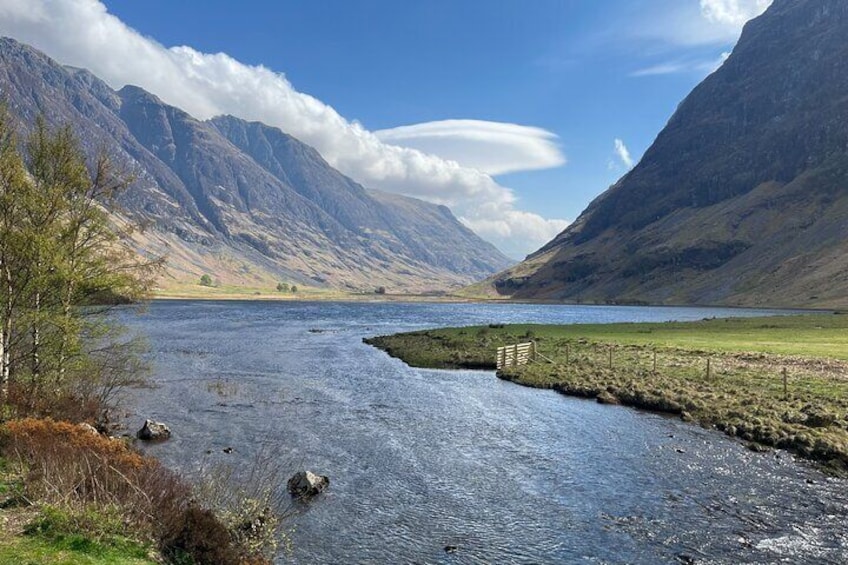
{"type": "Point", "coordinates": [514, 113]}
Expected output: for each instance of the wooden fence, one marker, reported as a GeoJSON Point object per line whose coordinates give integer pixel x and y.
{"type": "Point", "coordinates": [515, 355]}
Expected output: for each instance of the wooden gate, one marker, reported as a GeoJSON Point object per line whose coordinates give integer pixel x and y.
{"type": "Point", "coordinates": [515, 355]}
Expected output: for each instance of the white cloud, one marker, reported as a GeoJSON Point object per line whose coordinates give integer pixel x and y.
{"type": "Point", "coordinates": [515, 226]}
{"type": "Point", "coordinates": [699, 66]}
{"type": "Point", "coordinates": [690, 24]}
{"type": "Point", "coordinates": [666, 68]}
{"type": "Point", "coordinates": [623, 154]}
{"type": "Point", "coordinates": [733, 12]}
{"type": "Point", "coordinates": [491, 147]}
{"type": "Point", "coordinates": [82, 33]}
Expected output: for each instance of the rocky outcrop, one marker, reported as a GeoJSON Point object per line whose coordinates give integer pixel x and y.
{"type": "Point", "coordinates": [153, 431]}
{"type": "Point", "coordinates": [306, 484]}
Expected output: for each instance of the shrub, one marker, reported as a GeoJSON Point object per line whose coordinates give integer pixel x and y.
{"type": "Point", "coordinates": [282, 287]}
{"type": "Point", "coordinates": [252, 503]}
{"type": "Point", "coordinates": [205, 280]}
{"type": "Point", "coordinates": [195, 536]}
{"type": "Point", "coordinates": [99, 487]}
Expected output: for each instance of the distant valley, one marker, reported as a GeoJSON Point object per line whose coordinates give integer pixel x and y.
{"type": "Point", "coordinates": [242, 202]}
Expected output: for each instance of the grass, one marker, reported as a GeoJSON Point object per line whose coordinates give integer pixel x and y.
{"type": "Point", "coordinates": [727, 374]}
{"type": "Point", "coordinates": [30, 550]}
{"type": "Point", "coordinates": [32, 535]}
{"type": "Point", "coordinates": [194, 291]}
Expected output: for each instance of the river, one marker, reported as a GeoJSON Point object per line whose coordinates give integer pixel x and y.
{"type": "Point", "coordinates": [420, 460]}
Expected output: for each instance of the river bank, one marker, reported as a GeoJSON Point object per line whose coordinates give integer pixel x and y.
{"type": "Point", "coordinates": [303, 294]}
{"type": "Point", "coordinates": [726, 374]}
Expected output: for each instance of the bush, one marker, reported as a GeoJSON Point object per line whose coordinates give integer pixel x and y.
{"type": "Point", "coordinates": [205, 280]}
{"type": "Point", "coordinates": [195, 536]}
{"type": "Point", "coordinates": [282, 287]}
{"type": "Point", "coordinates": [100, 487]}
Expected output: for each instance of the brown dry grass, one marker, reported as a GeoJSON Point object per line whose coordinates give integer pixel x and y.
{"type": "Point", "coordinates": [89, 483]}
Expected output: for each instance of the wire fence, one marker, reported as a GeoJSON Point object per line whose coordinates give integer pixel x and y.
{"type": "Point", "coordinates": [777, 375]}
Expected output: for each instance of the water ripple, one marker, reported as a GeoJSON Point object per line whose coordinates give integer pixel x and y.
{"type": "Point", "coordinates": [460, 467]}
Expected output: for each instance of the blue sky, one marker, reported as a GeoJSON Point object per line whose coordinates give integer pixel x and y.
{"type": "Point", "coordinates": [537, 91]}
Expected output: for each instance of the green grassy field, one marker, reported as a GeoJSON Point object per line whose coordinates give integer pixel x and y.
{"type": "Point", "coordinates": [34, 550]}
{"type": "Point", "coordinates": [774, 382]}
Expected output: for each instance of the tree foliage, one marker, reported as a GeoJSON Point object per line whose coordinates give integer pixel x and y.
{"type": "Point", "coordinates": [60, 254]}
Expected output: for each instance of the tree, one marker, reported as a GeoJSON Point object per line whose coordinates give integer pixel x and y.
{"type": "Point", "coordinates": [205, 280]}
{"type": "Point", "coordinates": [14, 192]}
{"type": "Point", "coordinates": [59, 253]}
{"type": "Point", "coordinates": [282, 287]}
{"type": "Point", "coordinates": [293, 289]}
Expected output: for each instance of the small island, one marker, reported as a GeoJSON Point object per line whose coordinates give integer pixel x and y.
{"type": "Point", "coordinates": [777, 382]}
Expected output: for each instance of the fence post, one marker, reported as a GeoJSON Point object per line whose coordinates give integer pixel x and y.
{"type": "Point", "coordinates": [610, 356]}
{"type": "Point", "coordinates": [785, 385]}
{"type": "Point", "coordinates": [708, 367]}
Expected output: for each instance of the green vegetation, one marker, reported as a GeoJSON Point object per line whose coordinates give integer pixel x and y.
{"type": "Point", "coordinates": [285, 287]}
{"type": "Point", "coordinates": [206, 280]}
{"type": "Point", "coordinates": [69, 493]}
{"type": "Point", "coordinates": [727, 374]}
{"type": "Point", "coordinates": [51, 536]}
{"type": "Point", "coordinates": [51, 539]}
{"type": "Point", "coordinates": [69, 550]}
{"type": "Point", "coordinates": [59, 251]}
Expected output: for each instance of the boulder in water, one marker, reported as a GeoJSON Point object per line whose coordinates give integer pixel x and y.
{"type": "Point", "coordinates": [153, 431]}
{"type": "Point", "coordinates": [305, 484]}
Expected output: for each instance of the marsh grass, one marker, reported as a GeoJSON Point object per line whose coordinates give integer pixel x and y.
{"type": "Point", "coordinates": [727, 374]}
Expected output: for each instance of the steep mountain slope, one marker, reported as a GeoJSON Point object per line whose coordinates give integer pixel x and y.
{"type": "Point", "coordinates": [400, 225]}
{"type": "Point", "coordinates": [743, 197]}
{"type": "Point", "coordinates": [243, 201]}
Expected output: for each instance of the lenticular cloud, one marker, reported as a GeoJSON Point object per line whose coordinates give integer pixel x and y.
{"type": "Point", "coordinates": [491, 147]}
{"type": "Point", "coordinates": [82, 33]}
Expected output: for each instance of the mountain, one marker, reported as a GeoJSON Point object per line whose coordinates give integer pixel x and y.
{"type": "Point", "coordinates": [244, 201]}
{"type": "Point", "coordinates": [743, 197]}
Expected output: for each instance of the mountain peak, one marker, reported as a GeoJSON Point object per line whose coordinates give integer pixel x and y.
{"type": "Point", "coordinates": [737, 200]}
{"type": "Point", "coordinates": [242, 200]}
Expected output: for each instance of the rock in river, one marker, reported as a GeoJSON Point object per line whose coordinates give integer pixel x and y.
{"type": "Point", "coordinates": [304, 484]}
{"type": "Point", "coordinates": [152, 431]}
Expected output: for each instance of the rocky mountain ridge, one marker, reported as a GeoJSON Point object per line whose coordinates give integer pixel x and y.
{"type": "Point", "coordinates": [244, 201]}
{"type": "Point", "coordinates": [742, 199]}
